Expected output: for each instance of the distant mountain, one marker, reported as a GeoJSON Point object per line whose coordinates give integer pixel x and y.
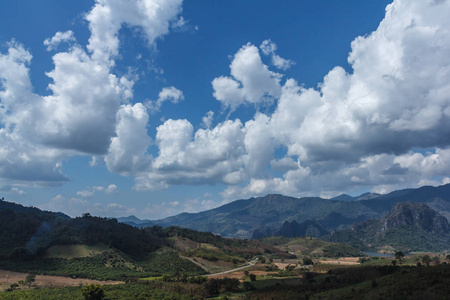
{"type": "Point", "coordinates": [242, 218]}
{"type": "Point", "coordinates": [407, 227]}
{"type": "Point", "coordinates": [335, 220]}
{"type": "Point", "coordinates": [135, 221]}
{"type": "Point", "coordinates": [367, 196]}
{"type": "Point", "coordinates": [310, 228]}
{"type": "Point", "coordinates": [344, 197]}
{"type": "Point", "coordinates": [264, 216]}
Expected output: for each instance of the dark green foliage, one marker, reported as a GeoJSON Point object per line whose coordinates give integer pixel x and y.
{"type": "Point", "coordinates": [248, 286]}
{"type": "Point", "coordinates": [108, 266]}
{"type": "Point", "coordinates": [129, 291]}
{"type": "Point", "coordinates": [168, 262]}
{"type": "Point", "coordinates": [93, 230]}
{"type": "Point", "coordinates": [340, 250]}
{"type": "Point", "coordinates": [217, 286]}
{"type": "Point", "coordinates": [399, 255]}
{"type": "Point", "coordinates": [27, 232]}
{"type": "Point", "coordinates": [426, 259]}
{"type": "Point", "coordinates": [93, 292]}
{"type": "Point", "coordinates": [30, 279]}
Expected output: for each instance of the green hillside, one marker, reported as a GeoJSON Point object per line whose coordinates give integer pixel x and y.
{"type": "Point", "coordinates": [101, 248]}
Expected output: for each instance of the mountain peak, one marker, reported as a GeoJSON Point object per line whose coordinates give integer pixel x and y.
{"type": "Point", "coordinates": [343, 197]}
{"type": "Point", "coordinates": [417, 215]}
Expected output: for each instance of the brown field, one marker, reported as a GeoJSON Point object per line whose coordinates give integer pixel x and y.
{"type": "Point", "coordinates": [341, 261]}
{"type": "Point", "coordinates": [9, 277]}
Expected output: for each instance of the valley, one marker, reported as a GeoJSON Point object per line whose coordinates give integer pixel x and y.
{"type": "Point", "coordinates": [296, 258]}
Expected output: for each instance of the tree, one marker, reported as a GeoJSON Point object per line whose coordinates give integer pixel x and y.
{"type": "Point", "coordinates": [426, 259]}
{"type": "Point", "coordinates": [436, 260]}
{"type": "Point", "coordinates": [93, 292]}
{"type": "Point", "coordinates": [307, 261]}
{"type": "Point", "coordinates": [252, 277]}
{"type": "Point", "coordinates": [399, 256]}
{"type": "Point", "coordinates": [30, 279]}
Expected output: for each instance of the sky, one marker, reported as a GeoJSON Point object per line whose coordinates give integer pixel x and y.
{"type": "Point", "coordinates": [157, 107]}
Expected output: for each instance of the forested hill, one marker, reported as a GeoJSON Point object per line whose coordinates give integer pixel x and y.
{"type": "Point", "coordinates": [27, 233]}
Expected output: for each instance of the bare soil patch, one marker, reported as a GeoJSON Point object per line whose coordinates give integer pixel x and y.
{"type": "Point", "coordinates": [341, 261]}
{"type": "Point", "coordinates": [8, 277]}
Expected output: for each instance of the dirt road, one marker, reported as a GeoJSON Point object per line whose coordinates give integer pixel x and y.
{"type": "Point", "coordinates": [250, 264]}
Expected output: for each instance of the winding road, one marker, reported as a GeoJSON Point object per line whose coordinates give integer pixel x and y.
{"type": "Point", "coordinates": [250, 264]}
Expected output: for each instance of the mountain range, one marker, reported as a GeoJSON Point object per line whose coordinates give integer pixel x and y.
{"type": "Point", "coordinates": [265, 216]}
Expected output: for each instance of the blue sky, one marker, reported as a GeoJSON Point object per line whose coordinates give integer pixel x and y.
{"type": "Point", "coordinates": [157, 107]}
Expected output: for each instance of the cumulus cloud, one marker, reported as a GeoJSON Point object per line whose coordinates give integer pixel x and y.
{"type": "Point", "coordinates": [87, 110]}
{"type": "Point", "coordinates": [58, 38]}
{"type": "Point", "coordinates": [355, 130]}
{"type": "Point", "coordinates": [208, 156]}
{"type": "Point", "coordinates": [107, 17]}
{"type": "Point", "coordinates": [251, 81]}
{"type": "Point", "coordinates": [127, 152]}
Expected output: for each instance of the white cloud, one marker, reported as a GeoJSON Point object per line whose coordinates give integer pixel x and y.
{"type": "Point", "coordinates": [127, 152]}
{"type": "Point", "coordinates": [268, 48]}
{"type": "Point", "coordinates": [343, 134]}
{"type": "Point", "coordinates": [207, 120]}
{"type": "Point", "coordinates": [58, 38]}
{"type": "Point", "coordinates": [281, 63]}
{"type": "Point", "coordinates": [83, 109]}
{"type": "Point", "coordinates": [85, 194]}
{"type": "Point", "coordinates": [76, 207]}
{"type": "Point", "coordinates": [208, 156]}
{"type": "Point", "coordinates": [171, 94]}
{"type": "Point", "coordinates": [107, 17]}
{"type": "Point", "coordinates": [252, 82]}
{"type": "Point", "coordinates": [90, 191]}
{"type": "Point", "coordinates": [355, 130]}
{"type": "Point", "coordinates": [112, 189]}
